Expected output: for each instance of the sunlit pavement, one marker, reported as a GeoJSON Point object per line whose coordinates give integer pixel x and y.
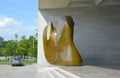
{"type": "Point", "coordinates": [50, 71]}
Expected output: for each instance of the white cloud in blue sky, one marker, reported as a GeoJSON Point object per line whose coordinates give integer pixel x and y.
{"type": "Point", "coordinates": [18, 16]}
{"type": "Point", "coordinates": [9, 26]}
{"type": "Point", "coordinates": [8, 22]}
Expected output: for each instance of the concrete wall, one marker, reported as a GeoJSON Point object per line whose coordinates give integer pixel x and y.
{"type": "Point", "coordinates": [96, 32]}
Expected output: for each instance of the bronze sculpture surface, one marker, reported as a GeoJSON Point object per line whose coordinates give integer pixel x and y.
{"type": "Point", "coordinates": [61, 51]}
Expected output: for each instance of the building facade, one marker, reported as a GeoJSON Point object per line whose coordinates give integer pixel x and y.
{"type": "Point", "coordinates": [96, 30]}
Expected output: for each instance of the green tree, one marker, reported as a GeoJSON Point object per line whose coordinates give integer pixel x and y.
{"type": "Point", "coordinates": [1, 49]}
{"type": "Point", "coordinates": [9, 49]}
{"type": "Point", "coordinates": [32, 41]}
{"type": "Point", "coordinates": [22, 46]}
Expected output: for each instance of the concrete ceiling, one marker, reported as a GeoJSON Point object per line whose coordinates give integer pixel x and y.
{"type": "Point", "coordinates": [49, 4]}
{"type": "Point", "coordinates": [52, 4]}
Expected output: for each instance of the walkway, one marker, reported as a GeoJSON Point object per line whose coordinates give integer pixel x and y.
{"type": "Point", "coordinates": [44, 71]}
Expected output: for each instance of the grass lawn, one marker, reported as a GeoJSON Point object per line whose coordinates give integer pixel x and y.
{"type": "Point", "coordinates": [26, 62]}
{"type": "Point", "coordinates": [5, 62]}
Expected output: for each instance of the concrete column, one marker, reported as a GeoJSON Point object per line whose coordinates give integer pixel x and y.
{"type": "Point", "coordinates": [41, 25]}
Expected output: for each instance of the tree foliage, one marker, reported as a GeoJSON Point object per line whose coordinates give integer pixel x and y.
{"type": "Point", "coordinates": [9, 48]}
{"type": "Point", "coordinates": [22, 47]}
{"type": "Point", "coordinates": [1, 49]}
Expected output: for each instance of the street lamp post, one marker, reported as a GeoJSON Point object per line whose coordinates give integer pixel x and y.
{"type": "Point", "coordinates": [16, 36]}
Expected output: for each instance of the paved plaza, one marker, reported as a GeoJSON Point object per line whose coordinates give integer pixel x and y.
{"type": "Point", "coordinates": [50, 71]}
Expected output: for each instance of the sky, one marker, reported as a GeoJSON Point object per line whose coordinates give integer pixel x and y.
{"type": "Point", "coordinates": [18, 17]}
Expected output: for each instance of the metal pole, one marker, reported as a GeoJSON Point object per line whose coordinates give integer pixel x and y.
{"type": "Point", "coordinates": [16, 36]}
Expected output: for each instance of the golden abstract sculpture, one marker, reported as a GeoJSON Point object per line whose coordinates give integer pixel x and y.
{"type": "Point", "coordinates": [61, 51]}
{"type": "Point", "coordinates": [49, 42]}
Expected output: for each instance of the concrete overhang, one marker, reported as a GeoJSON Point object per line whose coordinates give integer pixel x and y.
{"type": "Point", "coordinates": [52, 4]}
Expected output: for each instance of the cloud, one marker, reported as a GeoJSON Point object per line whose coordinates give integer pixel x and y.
{"type": "Point", "coordinates": [6, 22]}
{"type": "Point", "coordinates": [9, 26]}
